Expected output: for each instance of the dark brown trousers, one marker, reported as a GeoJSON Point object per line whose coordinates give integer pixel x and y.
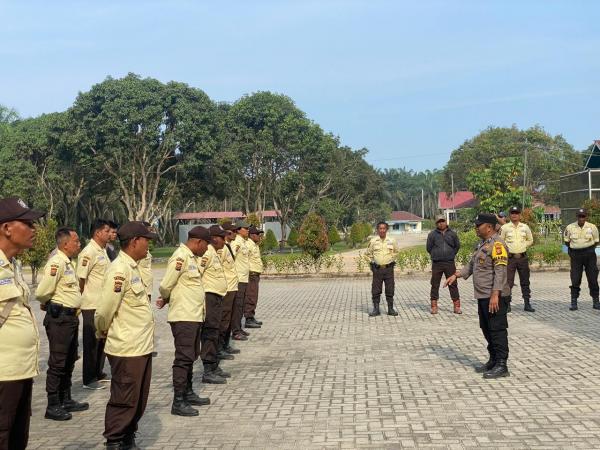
{"type": "Point", "coordinates": [383, 275]}
{"type": "Point", "coordinates": [439, 268]}
{"type": "Point", "coordinates": [63, 335]}
{"type": "Point", "coordinates": [15, 413]}
{"type": "Point", "coordinates": [210, 328]}
{"type": "Point", "coordinates": [187, 349]}
{"type": "Point", "coordinates": [238, 308]}
{"type": "Point", "coordinates": [520, 265]}
{"type": "Point", "coordinates": [226, 314]}
{"type": "Point", "coordinates": [251, 298]}
{"type": "Point", "coordinates": [93, 349]}
{"type": "Point", "coordinates": [129, 389]}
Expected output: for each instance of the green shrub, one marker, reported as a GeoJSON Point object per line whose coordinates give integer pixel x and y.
{"type": "Point", "coordinates": [313, 236]}
{"type": "Point", "coordinates": [44, 243]}
{"type": "Point", "coordinates": [334, 236]}
{"type": "Point", "coordinates": [292, 239]}
{"type": "Point", "coordinates": [269, 243]}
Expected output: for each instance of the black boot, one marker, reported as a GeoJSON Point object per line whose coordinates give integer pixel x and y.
{"type": "Point", "coordinates": [210, 376]}
{"type": "Point", "coordinates": [375, 311]}
{"type": "Point", "coordinates": [222, 373]}
{"type": "Point", "coordinates": [596, 303]}
{"type": "Point", "coordinates": [528, 306]}
{"type": "Point", "coordinates": [573, 306]}
{"type": "Point", "coordinates": [231, 350]}
{"type": "Point", "coordinates": [487, 366]}
{"type": "Point", "coordinates": [222, 354]}
{"type": "Point", "coordinates": [71, 405]}
{"type": "Point", "coordinates": [129, 442]}
{"type": "Point", "coordinates": [54, 410]}
{"type": "Point", "coordinates": [391, 310]}
{"type": "Point", "coordinates": [251, 323]}
{"type": "Point", "coordinates": [193, 399]}
{"type": "Point", "coordinates": [116, 445]}
{"type": "Point", "coordinates": [181, 407]}
{"type": "Point", "coordinates": [498, 371]}
{"type": "Point", "coordinates": [257, 321]}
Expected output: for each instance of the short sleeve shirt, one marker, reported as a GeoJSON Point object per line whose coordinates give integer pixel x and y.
{"type": "Point", "coordinates": [91, 267]}
{"type": "Point", "coordinates": [59, 282]}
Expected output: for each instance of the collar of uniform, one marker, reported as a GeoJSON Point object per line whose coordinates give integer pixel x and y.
{"type": "Point", "coordinates": [128, 260]}
{"type": "Point", "coordinates": [186, 249]}
{"type": "Point", "coordinates": [94, 244]}
{"type": "Point", "coordinates": [3, 259]}
{"type": "Point", "coordinates": [63, 256]}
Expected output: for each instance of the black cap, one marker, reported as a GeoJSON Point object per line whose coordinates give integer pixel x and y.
{"type": "Point", "coordinates": [199, 233]}
{"type": "Point", "coordinates": [135, 229]}
{"type": "Point", "coordinates": [217, 230]}
{"type": "Point", "coordinates": [241, 224]}
{"type": "Point", "coordinates": [515, 209]}
{"type": "Point", "coordinates": [254, 230]}
{"type": "Point", "coordinates": [228, 226]}
{"type": "Point", "coordinates": [581, 212]}
{"type": "Point", "coordinates": [13, 208]}
{"type": "Point", "coordinates": [502, 214]}
{"type": "Point", "coordinates": [486, 218]}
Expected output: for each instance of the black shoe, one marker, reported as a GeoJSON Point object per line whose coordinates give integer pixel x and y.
{"type": "Point", "coordinates": [391, 310]}
{"type": "Point", "coordinates": [375, 311]}
{"type": "Point", "coordinates": [181, 407]}
{"type": "Point", "coordinates": [528, 306]}
{"type": "Point", "coordinates": [573, 306]}
{"type": "Point", "coordinates": [71, 405]}
{"type": "Point", "coordinates": [116, 445]}
{"type": "Point", "coordinates": [251, 323]}
{"type": "Point", "coordinates": [222, 373]}
{"type": "Point", "coordinates": [487, 366]}
{"type": "Point", "coordinates": [498, 371]}
{"type": "Point", "coordinates": [239, 337]}
{"type": "Point", "coordinates": [104, 378]}
{"type": "Point", "coordinates": [210, 376]}
{"type": "Point", "coordinates": [255, 320]}
{"type": "Point", "coordinates": [130, 443]}
{"type": "Point", "coordinates": [193, 399]}
{"type": "Point", "coordinates": [596, 304]}
{"type": "Point", "coordinates": [222, 354]}
{"type": "Point", "coordinates": [54, 410]}
{"type": "Point", "coordinates": [232, 351]}
{"type": "Point", "coordinates": [244, 332]}
{"type": "Point", "coordinates": [508, 308]}
{"type": "Point", "coordinates": [94, 386]}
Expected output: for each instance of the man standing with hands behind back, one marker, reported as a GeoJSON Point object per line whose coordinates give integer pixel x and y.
{"type": "Point", "coordinates": [382, 252]}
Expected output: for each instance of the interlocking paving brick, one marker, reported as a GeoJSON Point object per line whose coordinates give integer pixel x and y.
{"type": "Point", "coordinates": [322, 374]}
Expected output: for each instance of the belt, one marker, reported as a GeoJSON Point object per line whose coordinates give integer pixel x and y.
{"type": "Point", "coordinates": [385, 266]}
{"type": "Point", "coordinates": [254, 273]}
{"type": "Point", "coordinates": [517, 255]}
{"type": "Point", "coordinates": [60, 309]}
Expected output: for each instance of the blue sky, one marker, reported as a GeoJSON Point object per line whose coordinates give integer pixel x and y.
{"type": "Point", "coordinates": [408, 80]}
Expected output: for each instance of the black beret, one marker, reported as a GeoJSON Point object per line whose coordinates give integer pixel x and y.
{"type": "Point", "coordinates": [199, 233]}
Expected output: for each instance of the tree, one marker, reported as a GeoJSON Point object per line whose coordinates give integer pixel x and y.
{"type": "Point", "coordinates": [269, 243]}
{"type": "Point", "coordinates": [44, 243]}
{"type": "Point", "coordinates": [253, 219]}
{"type": "Point", "coordinates": [313, 236]}
{"type": "Point", "coordinates": [497, 186]}
{"type": "Point", "coordinates": [357, 234]}
{"type": "Point", "coordinates": [333, 235]}
{"type": "Point", "coordinates": [293, 238]}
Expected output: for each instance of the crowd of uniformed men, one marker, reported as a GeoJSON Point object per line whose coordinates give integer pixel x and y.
{"type": "Point", "coordinates": [211, 283]}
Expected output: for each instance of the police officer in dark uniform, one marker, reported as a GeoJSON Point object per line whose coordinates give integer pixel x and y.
{"type": "Point", "coordinates": [490, 283]}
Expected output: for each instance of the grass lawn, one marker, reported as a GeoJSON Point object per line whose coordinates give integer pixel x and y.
{"type": "Point", "coordinates": [162, 252]}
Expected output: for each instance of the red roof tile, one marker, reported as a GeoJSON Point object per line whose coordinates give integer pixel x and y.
{"type": "Point", "coordinates": [405, 215]}
{"type": "Point", "coordinates": [210, 215]}
{"type": "Point", "coordinates": [462, 199]}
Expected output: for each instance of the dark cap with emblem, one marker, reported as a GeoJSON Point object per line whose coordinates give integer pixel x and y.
{"type": "Point", "coordinates": [217, 230]}
{"type": "Point", "coordinates": [486, 218]}
{"type": "Point", "coordinates": [502, 214]}
{"type": "Point", "coordinates": [241, 224]}
{"type": "Point", "coordinates": [199, 233]}
{"type": "Point", "coordinates": [13, 208]}
{"type": "Point", "coordinates": [515, 209]}
{"type": "Point", "coordinates": [581, 212]}
{"type": "Point", "coordinates": [228, 226]}
{"type": "Point", "coordinates": [135, 229]}
{"type": "Point", "coordinates": [254, 230]}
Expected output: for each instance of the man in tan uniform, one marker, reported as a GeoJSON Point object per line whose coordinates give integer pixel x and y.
{"type": "Point", "coordinates": [125, 318]}
{"type": "Point", "coordinates": [255, 269]}
{"type": "Point", "coordinates": [226, 351]}
{"type": "Point", "coordinates": [581, 238]}
{"type": "Point", "coordinates": [182, 289]}
{"type": "Point", "coordinates": [518, 239]}
{"type": "Point", "coordinates": [58, 292]}
{"type": "Point", "coordinates": [215, 287]}
{"type": "Point", "coordinates": [382, 252]}
{"type": "Point", "coordinates": [19, 337]}
{"type": "Point", "coordinates": [91, 267]}
{"type": "Point", "coordinates": [241, 251]}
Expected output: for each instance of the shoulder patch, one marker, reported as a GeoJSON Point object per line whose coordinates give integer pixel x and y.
{"type": "Point", "coordinates": [53, 270]}
{"type": "Point", "coordinates": [178, 264]}
{"type": "Point", "coordinates": [85, 261]}
{"type": "Point", "coordinates": [203, 261]}
{"type": "Point", "coordinates": [499, 255]}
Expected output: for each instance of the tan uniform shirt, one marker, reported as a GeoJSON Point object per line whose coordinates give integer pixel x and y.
{"type": "Point", "coordinates": [145, 267]}
{"type": "Point", "coordinates": [228, 263]}
{"type": "Point", "coordinates": [488, 267]}
{"type": "Point", "coordinates": [19, 336]}
{"type": "Point", "coordinates": [213, 275]}
{"type": "Point", "coordinates": [382, 251]}
{"type": "Point", "coordinates": [182, 286]}
{"type": "Point", "coordinates": [91, 267]}
{"type": "Point", "coordinates": [241, 250]}
{"type": "Point", "coordinates": [517, 238]}
{"type": "Point", "coordinates": [581, 237]}
{"type": "Point", "coordinates": [59, 282]}
{"type": "Point", "coordinates": [256, 264]}
{"type": "Point", "coordinates": [124, 311]}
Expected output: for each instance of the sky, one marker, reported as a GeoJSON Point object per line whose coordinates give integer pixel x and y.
{"type": "Point", "coordinates": [409, 81]}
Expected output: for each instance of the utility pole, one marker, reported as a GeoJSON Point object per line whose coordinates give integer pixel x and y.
{"type": "Point", "coordinates": [452, 198]}
{"type": "Point", "coordinates": [524, 175]}
{"type": "Point", "coordinates": [422, 204]}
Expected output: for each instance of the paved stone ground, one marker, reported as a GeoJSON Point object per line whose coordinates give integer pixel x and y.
{"type": "Point", "coordinates": [322, 374]}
